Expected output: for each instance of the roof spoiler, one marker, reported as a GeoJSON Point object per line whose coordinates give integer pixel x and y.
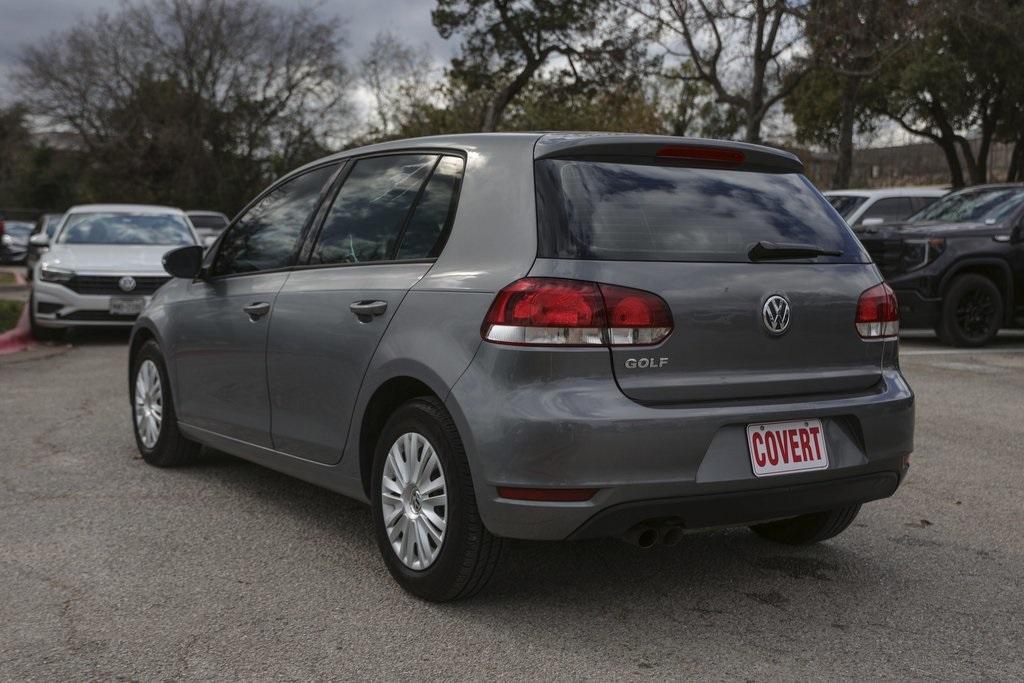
{"type": "Point", "coordinates": [666, 149]}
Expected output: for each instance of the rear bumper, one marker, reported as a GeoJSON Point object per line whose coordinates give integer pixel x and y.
{"type": "Point", "coordinates": [741, 507]}
{"type": "Point", "coordinates": [572, 428]}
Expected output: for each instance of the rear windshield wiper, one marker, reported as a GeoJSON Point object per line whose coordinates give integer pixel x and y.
{"type": "Point", "coordinates": [767, 251]}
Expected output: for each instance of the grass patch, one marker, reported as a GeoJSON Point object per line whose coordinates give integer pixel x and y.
{"type": "Point", "coordinates": [7, 279]}
{"type": "Point", "coordinates": [10, 311]}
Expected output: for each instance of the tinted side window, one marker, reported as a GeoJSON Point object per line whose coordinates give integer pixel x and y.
{"type": "Point", "coordinates": [891, 209]}
{"type": "Point", "coordinates": [368, 213]}
{"type": "Point", "coordinates": [265, 236]}
{"type": "Point", "coordinates": [432, 218]}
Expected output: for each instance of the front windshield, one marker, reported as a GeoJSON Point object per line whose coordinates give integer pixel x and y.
{"type": "Point", "coordinates": [845, 204]}
{"type": "Point", "coordinates": [50, 226]}
{"type": "Point", "coordinates": [992, 204]}
{"type": "Point", "coordinates": [123, 228]}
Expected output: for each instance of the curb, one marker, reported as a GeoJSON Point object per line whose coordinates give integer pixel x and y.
{"type": "Point", "coordinates": [19, 337]}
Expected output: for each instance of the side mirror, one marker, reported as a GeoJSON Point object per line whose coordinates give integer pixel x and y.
{"type": "Point", "coordinates": [39, 240]}
{"type": "Point", "coordinates": [872, 221]}
{"type": "Point", "coordinates": [184, 262]}
{"type": "Point", "coordinates": [1017, 236]}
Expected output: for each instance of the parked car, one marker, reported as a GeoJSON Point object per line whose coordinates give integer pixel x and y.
{"type": "Point", "coordinates": [208, 224]}
{"type": "Point", "coordinates": [541, 336]}
{"type": "Point", "coordinates": [14, 242]}
{"type": "Point", "coordinates": [43, 232]}
{"type": "Point", "coordinates": [103, 265]}
{"type": "Point", "coordinates": [871, 207]}
{"type": "Point", "coordinates": [957, 266]}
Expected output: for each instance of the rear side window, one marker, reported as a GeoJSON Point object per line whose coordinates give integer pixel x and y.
{"type": "Point", "coordinates": [889, 209]}
{"type": "Point", "coordinates": [370, 209]}
{"type": "Point", "coordinates": [636, 212]}
{"type": "Point", "coordinates": [265, 236]}
{"type": "Point", "coordinates": [431, 220]}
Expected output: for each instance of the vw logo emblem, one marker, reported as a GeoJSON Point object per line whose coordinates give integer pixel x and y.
{"type": "Point", "coordinates": [127, 283]}
{"type": "Point", "coordinates": [775, 314]}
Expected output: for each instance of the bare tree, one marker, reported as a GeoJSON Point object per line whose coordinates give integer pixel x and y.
{"type": "Point", "coordinates": [251, 85]}
{"type": "Point", "coordinates": [742, 49]}
{"type": "Point", "coordinates": [398, 77]}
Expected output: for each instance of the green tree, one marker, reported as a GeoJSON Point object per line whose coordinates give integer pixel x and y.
{"type": "Point", "coordinates": [506, 43]}
{"type": "Point", "coordinates": [960, 77]}
{"type": "Point", "coordinates": [850, 42]}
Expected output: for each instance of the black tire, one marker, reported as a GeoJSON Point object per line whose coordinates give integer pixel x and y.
{"type": "Point", "coordinates": [807, 529]}
{"type": "Point", "coordinates": [43, 334]}
{"type": "Point", "coordinates": [972, 311]}
{"type": "Point", "coordinates": [172, 448]}
{"type": "Point", "coordinates": [468, 553]}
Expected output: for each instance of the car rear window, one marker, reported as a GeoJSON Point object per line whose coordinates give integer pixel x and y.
{"type": "Point", "coordinates": [638, 212]}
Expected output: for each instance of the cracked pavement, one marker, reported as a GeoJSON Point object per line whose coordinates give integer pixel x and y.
{"type": "Point", "coordinates": [112, 569]}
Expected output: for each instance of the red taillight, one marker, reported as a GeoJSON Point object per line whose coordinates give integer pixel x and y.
{"type": "Point", "coordinates": [547, 495]}
{"type": "Point", "coordinates": [878, 313]}
{"type": "Point", "coordinates": [552, 311]}
{"type": "Point", "coordinates": [715, 155]}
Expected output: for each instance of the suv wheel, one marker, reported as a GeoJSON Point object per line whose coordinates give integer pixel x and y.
{"type": "Point", "coordinates": [424, 511]}
{"type": "Point", "coordinates": [972, 311]}
{"type": "Point", "coordinates": [808, 529]}
{"type": "Point", "coordinates": [156, 426]}
{"type": "Point", "coordinates": [43, 334]}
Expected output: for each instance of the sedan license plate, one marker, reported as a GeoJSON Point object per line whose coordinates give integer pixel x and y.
{"type": "Point", "coordinates": [126, 306]}
{"type": "Point", "coordinates": [785, 447]}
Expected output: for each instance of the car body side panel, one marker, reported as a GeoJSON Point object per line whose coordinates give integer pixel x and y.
{"type": "Point", "coordinates": [219, 355]}
{"type": "Point", "coordinates": [494, 237]}
{"type": "Point", "coordinates": [318, 351]}
{"type": "Point", "coordinates": [432, 338]}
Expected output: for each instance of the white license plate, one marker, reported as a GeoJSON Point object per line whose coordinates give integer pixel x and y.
{"type": "Point", "coordinates": [785, 447]}
{"type": "Point", "coordinates": [126, 306]}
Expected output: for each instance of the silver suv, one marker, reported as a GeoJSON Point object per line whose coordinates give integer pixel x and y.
{"type": "Point", "coordinates": [539, 336]}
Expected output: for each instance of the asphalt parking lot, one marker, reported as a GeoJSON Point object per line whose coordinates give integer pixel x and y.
{"type": "Point", "coordinates": [226, 570]}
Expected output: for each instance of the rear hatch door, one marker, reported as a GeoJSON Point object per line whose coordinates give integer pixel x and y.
{"type": "Point", "coordinates": [686, 234]}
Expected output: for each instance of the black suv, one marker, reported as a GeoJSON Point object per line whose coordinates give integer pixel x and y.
{"type": "Point", "coordinates": [958, 265]}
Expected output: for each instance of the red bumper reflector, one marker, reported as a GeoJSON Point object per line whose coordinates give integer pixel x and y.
{"type": "Point", "coordinates": [548, 495]}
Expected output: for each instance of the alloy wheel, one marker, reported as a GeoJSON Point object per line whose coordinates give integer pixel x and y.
{"type": "Point", "coordinates": [975, 313]}
{"type": "Point", "coordinates": [149, 406]}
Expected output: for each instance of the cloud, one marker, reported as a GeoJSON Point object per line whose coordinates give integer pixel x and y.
{"type": "Point", "coordinates": [31, 21]}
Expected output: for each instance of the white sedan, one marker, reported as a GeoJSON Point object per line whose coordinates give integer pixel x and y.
{"type": "Point", "coordinates": [104, 263]}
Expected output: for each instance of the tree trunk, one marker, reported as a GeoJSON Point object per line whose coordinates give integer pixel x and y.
{"type": "Point", "coordinates": [501, 99]}
{"type": "Point", "coordinates": [956, 171]}
{"type": "Point", "coordinates": [754, 118]}
{"type": "Point", "coordinates": [975, 170]}
{"type": "Point", "coordinates": [848, 115]}
{"type": "Point", "coordinates": [1013, 173]}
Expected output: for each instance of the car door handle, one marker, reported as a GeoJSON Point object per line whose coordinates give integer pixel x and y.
{"type": "Point", "coordinates": [366, 309]}
{"type": "Point", "coordinates": [257, 310]}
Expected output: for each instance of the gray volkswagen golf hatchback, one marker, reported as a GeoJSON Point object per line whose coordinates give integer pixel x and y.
{"type": "Point", "coordinates": [538, 336]}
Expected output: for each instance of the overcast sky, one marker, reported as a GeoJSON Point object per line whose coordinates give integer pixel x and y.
{"type": "Point", "coordinates": [28, 21]}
